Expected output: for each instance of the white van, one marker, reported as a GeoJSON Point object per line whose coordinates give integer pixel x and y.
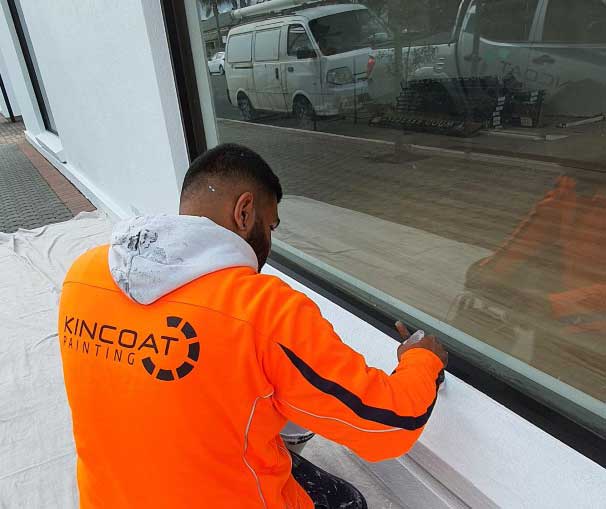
{"type": "Point", "coordinates": [312, 62]}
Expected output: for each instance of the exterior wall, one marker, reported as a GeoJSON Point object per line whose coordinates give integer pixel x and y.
{"type": "Point", "coordinates": [105, 85]}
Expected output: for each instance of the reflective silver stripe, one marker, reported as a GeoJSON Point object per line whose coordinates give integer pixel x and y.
{"type": "Point", "coordinates": [339, 420]}
{"type": "Point", "coordinates": [250, 418]}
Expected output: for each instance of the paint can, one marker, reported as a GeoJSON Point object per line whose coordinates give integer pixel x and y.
{"type": "Point", "coordinates": [295, 437]}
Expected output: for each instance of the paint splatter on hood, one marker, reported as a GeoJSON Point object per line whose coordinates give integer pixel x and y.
{"type": "Point", "coordinates": [151, 256]}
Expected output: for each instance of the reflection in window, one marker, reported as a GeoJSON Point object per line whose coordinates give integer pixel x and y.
{"type": "Point", "coordinates": [465, 181]}
{"type": "Point", "coordinates": [240, 48]}
{"type": "Point", "coordinates": [266, 45]}
{"type": "Point", "coordinates": [298, 41]}
{"type": "Point", "coordinates": [578, 22]}
{"type": "Point", "coordinates": [347, 31]}
{"type": "Point", "coordinates": [507, 20]}
{"type": "Point", "coordinates": [428, 24]}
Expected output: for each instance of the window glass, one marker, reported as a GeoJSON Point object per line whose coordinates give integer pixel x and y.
{"type": "Point", "coordinates": [347, 31]}
{"type": "Point", "coordinates": [464, 183]}
{"type": "Point", "coordinates": [508, 20]}
{"type": "Point", "coordinates": [298, 40]}
{"type": "Point", "coordinates": [579, 22]}
{"type": "Point", "coordinates": [267, 43]}
{"type": "Point", "coordinates": [433, 25]}
{"type": "Point", "coordinates": [240, 48]}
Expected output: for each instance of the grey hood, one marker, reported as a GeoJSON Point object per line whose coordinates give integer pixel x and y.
{"type": "Point", "coordinates": [150, 257]}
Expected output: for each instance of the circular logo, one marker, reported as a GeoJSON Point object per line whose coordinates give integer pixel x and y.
{"type": "Point", "coordinates": [187, 344]}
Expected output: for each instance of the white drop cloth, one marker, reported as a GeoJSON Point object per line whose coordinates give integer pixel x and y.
{"type": "Point", "coordinates": [37, 455]}
{"type": "Point", "coordinates": [37, 460]}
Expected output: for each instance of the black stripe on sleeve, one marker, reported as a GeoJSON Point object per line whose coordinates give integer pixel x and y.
{"type": "Point", "coordinates": [349, 399]}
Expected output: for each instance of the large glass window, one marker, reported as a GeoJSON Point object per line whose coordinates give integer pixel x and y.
{"type": "Point", "coordinates": [463, 183]}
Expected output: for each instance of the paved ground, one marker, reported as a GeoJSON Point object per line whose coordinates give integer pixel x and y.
{"type": "Point", "coordinates": [454, 198]}
{"type": "Point", "coordinates": [10, 132]}
{"type": "Point", "coordinates": [32, 192]}
{"type": "Point", "coordinates": [27, 200]}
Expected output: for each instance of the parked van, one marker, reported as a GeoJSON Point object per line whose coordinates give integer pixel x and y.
{"type": "Point", "coordinates": [558, 46]}
{"type": "Point", "coordinates": [312, 62]}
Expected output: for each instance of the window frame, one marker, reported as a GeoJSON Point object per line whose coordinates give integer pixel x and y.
{"type": "Point", "coordinates": [31, 68]}
{"type": "Point", "coordinates": [184, 72]}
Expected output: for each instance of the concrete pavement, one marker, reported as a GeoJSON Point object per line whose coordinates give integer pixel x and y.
{"type": "Point", "coordinates": [32, 192]}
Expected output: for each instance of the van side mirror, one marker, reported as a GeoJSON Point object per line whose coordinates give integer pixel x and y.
{"type": "Point", "coordinates": [306, 53]}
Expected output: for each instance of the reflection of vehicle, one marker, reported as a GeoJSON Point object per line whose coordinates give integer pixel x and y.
{"type": "Point", "coordinates": [554, 45]}
{"type": "Point", "coordinates": [311, 62]}
{"type": "Point", "coordinates": [216, 65]}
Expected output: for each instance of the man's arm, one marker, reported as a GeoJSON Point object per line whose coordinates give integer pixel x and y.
{"type": "Point", "coordinates": [324, 385]}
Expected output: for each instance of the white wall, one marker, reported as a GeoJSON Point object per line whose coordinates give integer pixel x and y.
{"type": "Point", "coordinates": [107, 75]}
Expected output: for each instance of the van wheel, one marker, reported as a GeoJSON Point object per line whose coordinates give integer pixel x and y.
{"type": "Point", "coordinates": [247, 112]}
{"type": "Point", "coordinates": [304, 113]}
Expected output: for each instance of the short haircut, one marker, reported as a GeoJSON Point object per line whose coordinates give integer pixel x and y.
{"type": "Point", "coordinates": [232, 161]}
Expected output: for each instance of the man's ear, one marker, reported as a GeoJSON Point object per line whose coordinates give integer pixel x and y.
{"type": "Point", "coordinates": [244, 213]}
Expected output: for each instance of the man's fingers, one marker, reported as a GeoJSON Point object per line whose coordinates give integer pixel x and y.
{"type": "Point", "coordinates": [402, 330]}
{"type": "Point", "coordinates": [430, 343]}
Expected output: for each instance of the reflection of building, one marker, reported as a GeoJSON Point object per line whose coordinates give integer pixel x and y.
{"type": "Point", "coordinates": [209, 32]}
{"type": "Point", "coordinates": [208, 21]}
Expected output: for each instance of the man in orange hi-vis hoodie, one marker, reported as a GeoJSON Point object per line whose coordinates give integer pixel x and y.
{"type": "Point", "coordinates": [182, 363]}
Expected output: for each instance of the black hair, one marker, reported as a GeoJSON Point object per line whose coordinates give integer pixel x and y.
{"type": "Point", "coordinates": [231, 160]}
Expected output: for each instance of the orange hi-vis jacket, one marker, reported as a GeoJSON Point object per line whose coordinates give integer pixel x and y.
{"type": "Point", "coordinates": [179, 403]}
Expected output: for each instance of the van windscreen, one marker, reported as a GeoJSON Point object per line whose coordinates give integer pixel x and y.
{"type": "Point", "coordinates": [347, 31]}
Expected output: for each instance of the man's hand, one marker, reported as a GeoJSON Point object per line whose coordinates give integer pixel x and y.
{"type": "Point", "coordinates": [428, 343]}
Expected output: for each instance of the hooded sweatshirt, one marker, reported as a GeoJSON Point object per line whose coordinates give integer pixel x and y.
{"type": "Point", "coordinates": [182, 364]}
